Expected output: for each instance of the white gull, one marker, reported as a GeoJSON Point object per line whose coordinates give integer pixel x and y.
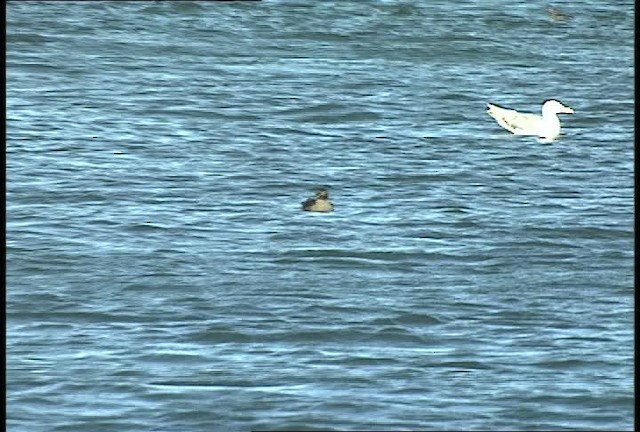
{"type": "Point", "coordinates": [545, 126]}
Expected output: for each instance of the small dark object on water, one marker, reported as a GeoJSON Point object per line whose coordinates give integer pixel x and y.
{"type": "Point", "coordinates": [557, 14]}
{"type": "Point", "coordinates": [320, 203]}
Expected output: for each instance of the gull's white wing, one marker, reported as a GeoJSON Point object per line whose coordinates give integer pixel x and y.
{"type": "Point", "coordinates": [514, 121]}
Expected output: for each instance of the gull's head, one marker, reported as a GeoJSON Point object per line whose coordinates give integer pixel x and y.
{"type": "Point", "coordinates": [552, 106]}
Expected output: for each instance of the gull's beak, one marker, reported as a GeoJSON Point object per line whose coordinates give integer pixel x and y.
{"type": "Point", "coordinates": [568, 110]}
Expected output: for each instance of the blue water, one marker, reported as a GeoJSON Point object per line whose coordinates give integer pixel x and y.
{"type": "Point", "coordinates": [161, 275]}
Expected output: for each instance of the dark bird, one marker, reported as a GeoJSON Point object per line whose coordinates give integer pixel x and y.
{"type": "Point", "coordinates": [320, 203]}
{"type": "Point", "coordinates": [557, 14]}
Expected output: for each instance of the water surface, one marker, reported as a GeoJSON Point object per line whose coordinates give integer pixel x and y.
{"type": "Point", "coordinates": [161, 275]}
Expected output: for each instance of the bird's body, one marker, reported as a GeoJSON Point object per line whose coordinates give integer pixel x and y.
{"type": "Point", "coordinates": [557, 14]}
{"type": "Point", "coordinates": [545, 126]}
{"type": "Point", "coordinates": [320, 203]}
